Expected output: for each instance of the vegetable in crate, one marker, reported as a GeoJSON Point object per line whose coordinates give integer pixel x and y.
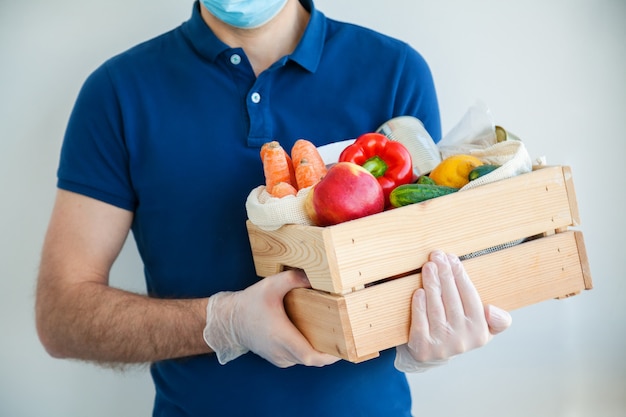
{"type": "Point", "coordinates": [347, 192]}
{"type": "Point", "coordinates": [283, 189]}
{"type": "Point", "coordinates": [284, 174]}
{"type": "Point", "coordinates": [308, 163]}
{"type": "Point", "coordinates": [389, 161]}
{"type": "Point", "coordinates": [454, 170]}
{"type": "Point", "coordinates": [406, 194]}
{"type": "Point", "coordinates": [277, 167]}
{"type": "Point", "coordinates": [481, 170]}
{"type": "Point", "coordinates": [425, 179]}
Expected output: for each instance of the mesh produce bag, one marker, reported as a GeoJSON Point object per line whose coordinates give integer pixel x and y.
{"type": "Point", "coordinates": [270, 213]}
{"type": "Point", "coordinates": [512, 157]}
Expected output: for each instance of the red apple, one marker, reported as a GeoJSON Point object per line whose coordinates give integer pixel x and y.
{"type": "Point", "coordinates": [347, 192]}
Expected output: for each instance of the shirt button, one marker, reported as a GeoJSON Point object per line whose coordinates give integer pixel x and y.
{"type": "Point", "coordinates": [255, 97]}
{"type": "Point", "coordinates": [235, 59]}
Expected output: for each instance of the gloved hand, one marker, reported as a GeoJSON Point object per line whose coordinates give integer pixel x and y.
{"type": "Point", "coordinates": [448, 317]}
{"type": "Point", "coordinates": [255, 319]}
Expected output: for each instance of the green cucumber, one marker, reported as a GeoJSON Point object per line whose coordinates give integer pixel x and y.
{"type": "Point", "coordinates": [481, 170]}
{"type": "Point", "coordinates": [406, 194]}
{"type": "Point", "coordinates": [425, 179]}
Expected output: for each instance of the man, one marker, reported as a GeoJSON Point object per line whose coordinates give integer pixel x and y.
{"type": "Point", "coordinates": [164, 140]}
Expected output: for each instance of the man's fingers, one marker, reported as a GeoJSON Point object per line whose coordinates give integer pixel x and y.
{"type": "Point", "coordinates": [472, 304]}
{"type": "Point", "coordinates": [498, 320]}
{"type": "Point", "coordinates": [435, 310]}
{"type": "Point", "coordinates": [453, 307]}
{"type": "Point", "coordinates": [286, 281]}
{"type": "Point", "coordinates": [294, 348]}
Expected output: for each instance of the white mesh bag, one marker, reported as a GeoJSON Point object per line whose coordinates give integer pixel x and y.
{"type": "Point", "coordinates": [512, 157]}
{"type": "Point", "coordinates": [270, 213]}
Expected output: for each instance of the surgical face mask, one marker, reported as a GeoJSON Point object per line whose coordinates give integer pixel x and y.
{"type": "Point", "coordinates": [244, 14]}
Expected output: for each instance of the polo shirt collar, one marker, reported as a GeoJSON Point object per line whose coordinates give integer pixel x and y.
{"type": "Point", "coordinates": [309, 51]}
{"type": "Point", "coordinates": [201, 36]}
{"type": "Point", "coordinates": [307, 54]}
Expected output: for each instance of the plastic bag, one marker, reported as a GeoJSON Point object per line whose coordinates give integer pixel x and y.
{"type": "Point", "coordinates": [475, 130]}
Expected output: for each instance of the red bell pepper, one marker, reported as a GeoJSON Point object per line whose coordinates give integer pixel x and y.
{"type": "Point", "coordinates": [389, 161]}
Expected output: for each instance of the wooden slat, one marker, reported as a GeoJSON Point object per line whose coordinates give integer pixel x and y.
{"type": "Point", "coordinates": [378, 317]}
{"type": "Point", "coordinates": [584, 261]}
{"type": "Point", "coordinates": [293, 246]}
{"type": "Point", "coordinates": [322, 319]}
{"type": "Point", "coordinates": [571, 194]}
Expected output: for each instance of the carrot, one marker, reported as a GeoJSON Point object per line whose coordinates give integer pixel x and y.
{"type": "Point", "coordinates": [283, 189]}
{"type": "Point", "coordinates": [277, 166]}
{"type": "Point", "coordinates": [292, 171]}
{"type": "Point", "coordinates": [314, 170]}
{"type": "Point", "coordinates": [306, 174]}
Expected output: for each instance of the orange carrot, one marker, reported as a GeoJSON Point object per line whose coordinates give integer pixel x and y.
{"type": "Point", "coordinates": [277, 165]}
{"type": "Point", "coordinates": [292, 171]}
{"type": "Point", "coordinates": [315, 169]}
{"type": "Point", "coordinates": [283, 189]}
{"type": "Point", "coordinates": [306, 174]}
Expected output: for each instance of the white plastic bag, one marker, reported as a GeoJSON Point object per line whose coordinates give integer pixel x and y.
{"type": "Point", "coordinates": [475, 130]}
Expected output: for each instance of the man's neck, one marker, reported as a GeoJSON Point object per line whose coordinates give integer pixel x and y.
{"type": "Point", "coordinates": [265, 45]}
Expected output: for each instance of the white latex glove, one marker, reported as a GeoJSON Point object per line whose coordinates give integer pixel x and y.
{"type": "Point", "coordinates": [255, 319]}
{"type": "Point", "coordinates": [448, 317]}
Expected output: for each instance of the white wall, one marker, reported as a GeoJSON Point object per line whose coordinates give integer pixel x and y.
{"type": "Point", "coordinates": [552, 72]}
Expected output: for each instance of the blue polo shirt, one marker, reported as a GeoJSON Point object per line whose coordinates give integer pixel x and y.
{"type": "Point", "coordinates": [171, 130]}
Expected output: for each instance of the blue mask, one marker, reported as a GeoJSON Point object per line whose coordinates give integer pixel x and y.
{"type": "Point", "coordinates": [244, 14]}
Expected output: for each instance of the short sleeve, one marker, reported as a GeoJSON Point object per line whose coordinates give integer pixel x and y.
{"type": "Point", "coordinates": [94, 157]}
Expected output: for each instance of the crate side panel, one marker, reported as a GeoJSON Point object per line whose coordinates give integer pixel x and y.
{"type": "Point", "coordinates": [380, 315]}
{"type": "Point", "coordinates": [399, 241]}
{"type": "Point", "coordinates": [511, 278]}
{"type": "Point", "coordinates": [584, 260]}
{"type": "Point", "coordinates": [322, 319]}
{"type": "Point", "coordinates": [571, 192]}
{"type": "Point", "coordinates": [532, 272]}
{"type": "Point", "coordinates": [292, 246]}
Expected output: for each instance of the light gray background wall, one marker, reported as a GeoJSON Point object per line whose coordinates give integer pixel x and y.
{"type": "Point", "coordinates": [553, 72]}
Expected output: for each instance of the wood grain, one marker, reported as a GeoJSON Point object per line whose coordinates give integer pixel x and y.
{"type": "Point", "coordinates": [358, 325]}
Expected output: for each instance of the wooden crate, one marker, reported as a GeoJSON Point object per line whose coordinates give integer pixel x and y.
{"type": "Point", "coordinates": [363, 272]}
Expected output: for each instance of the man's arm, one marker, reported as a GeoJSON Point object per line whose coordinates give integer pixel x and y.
{"type": "Point", "coordinates": [79, 316]}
